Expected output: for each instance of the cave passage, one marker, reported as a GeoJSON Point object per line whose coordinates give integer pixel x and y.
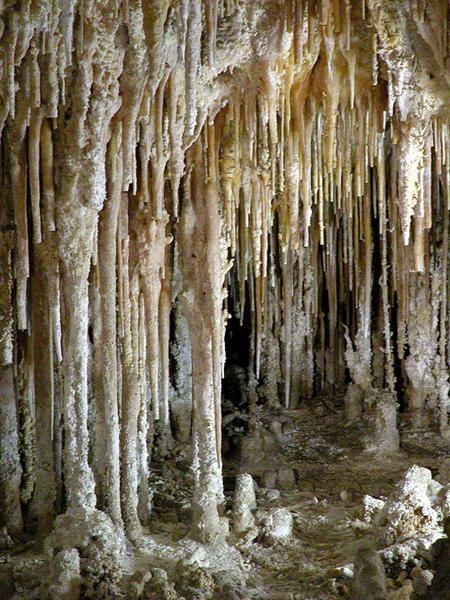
{"type": "Point", "coordinates": [224, 253]}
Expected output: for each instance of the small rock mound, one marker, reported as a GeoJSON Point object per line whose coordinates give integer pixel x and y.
{"type": "Point", "coordinates": [159, 586]}
{"type": "Point", "coordinates": [412, 509]}
{"type": "Point", "coordinates": [99, 544]}
{"type": "Point", "coordinates": [381, 421]}
{"type": "Point", "coordinates": [278, 526]}
{"type": "Point", "coordinates": [243, 504]}
{"type": "Point", "coordinates": [195, 582]}
{"type": "Point", "coordinates": [6, 541]}
{"type": "Point", "coordinates": [65, 576]}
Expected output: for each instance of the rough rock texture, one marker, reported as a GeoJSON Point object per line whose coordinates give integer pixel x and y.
{"type": "Point", "coordinates": [412, 509]}
{"type": "Point", "coordinates": [244, 502]}
{"type": "Point", "coordinates": [100, 546]}
{"type": "Point", "coordinates": [372, 506]}
{"type": "Point", "coordinates": [381, 421]}
{"type": "Point", "coordinates": [167, 163]}
{"type": "Point", "coordinates": [278, 526]}
{"type": "Point", "coordinates": [159, 586]}
{"type": "Point", "coordinates": [65, 576]}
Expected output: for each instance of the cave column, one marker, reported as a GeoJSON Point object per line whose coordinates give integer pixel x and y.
{"type": "Point", "coordinates": [131, 400]}
{"type": "Point", "coordinates": [202, 264]}
{"type": "Point", "coordinates": [10, 469]}
{"type": "Point", "coordinates": [108, 416]}
{"type": "Point", "coordinates": [359, 359]}
{"type": "Point", "coordinates": [80, 188]}
{"type": "Point", "coordinates": [427, 383]}
{"type": "Point", "coordinates": [79, 480]}
{"type": "Point", "coordinates": [208, 474]}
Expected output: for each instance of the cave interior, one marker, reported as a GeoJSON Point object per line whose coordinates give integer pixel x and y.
{"type": "Point", "coordinates": [224, 299]}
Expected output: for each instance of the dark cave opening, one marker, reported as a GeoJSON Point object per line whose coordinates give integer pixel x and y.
{"type": "Point", "coordinates": [235, 384]}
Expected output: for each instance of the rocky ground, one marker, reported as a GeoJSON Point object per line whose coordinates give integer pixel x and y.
{"type": "Point", "coordinates": [311, 522]}
{"type": "Point", "coordinates": [319, 471]}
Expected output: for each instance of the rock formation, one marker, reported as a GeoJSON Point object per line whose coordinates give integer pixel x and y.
{"type": "Point", "coordinates": [167, 164]}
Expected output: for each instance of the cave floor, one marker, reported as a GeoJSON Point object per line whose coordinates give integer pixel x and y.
{"type": "Point", "coordinates": [332, 476]}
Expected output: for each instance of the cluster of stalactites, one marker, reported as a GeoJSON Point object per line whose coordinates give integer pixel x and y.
{"type": "Point", "coordinates": [322, 156]}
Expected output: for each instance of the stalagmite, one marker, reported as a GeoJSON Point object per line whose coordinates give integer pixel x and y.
{"type": "Point", "coordinates": [222, 225]}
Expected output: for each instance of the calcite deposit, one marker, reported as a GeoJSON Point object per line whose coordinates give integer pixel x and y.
{"type": "Point", "coordinates": [193, 190]}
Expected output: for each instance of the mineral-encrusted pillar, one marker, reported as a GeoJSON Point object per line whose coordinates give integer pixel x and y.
{"type": "Point", "coordinates": [108, 401]}
{"type": "Point", "coordinates": [208, 475]}
{"type": "Point", "coordinates": [10, 469]}
{"type": "Point", "coordinates": [79, 480]}
{"type": "Point", "coordinates": [131, 401]}
{"type": "Point", "coordinates": [92, 94]}
{"type": "Point", "coordinates": [426, 382]}
{"type": "Point", "coordinates": [76, 244]}
{"type": "Point", "coordinates": [202, 265]}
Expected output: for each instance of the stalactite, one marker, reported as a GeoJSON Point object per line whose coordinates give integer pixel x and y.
{"type": "Point", "coordinates": [211, 29]}
{"type": "Point", "coordinates": [192, 63]}
{"type": "Point", "coordinates": [287, 322]}
{"type": "Point", "coordinates": [152, 265]}
{"type": "Point", "coordinates": [19, 193]}
{"type": "Point", "coordinates": [157, 156]}
{"type": "Point", "coordinates": [388, 360]}
{"type": "Point", "coordinates": [443, 332]}
{"type": "Point", "coordinates": [145, 422]}
{"type": "Point", "coordinates": [33, 158]}
{"type": "Point", "coordinates": [48, 192]}
{"type": "Point", "coordinates": [181, 394]}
